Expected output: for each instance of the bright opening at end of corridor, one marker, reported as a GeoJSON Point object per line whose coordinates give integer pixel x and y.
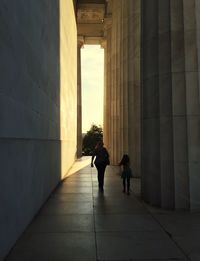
{"type": "Point", "coordinates": [92, 73]}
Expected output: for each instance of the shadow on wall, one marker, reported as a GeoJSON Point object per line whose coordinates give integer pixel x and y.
{"type": "Point", "coordinates": [30, 149]}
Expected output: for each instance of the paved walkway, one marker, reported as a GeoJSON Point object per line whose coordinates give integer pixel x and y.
{"type": "Point", "coordinates": [79, 223]}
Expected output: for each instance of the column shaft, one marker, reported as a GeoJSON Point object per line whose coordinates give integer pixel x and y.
{"type": "Point", "coordinates": [150, 105]}
{"type": "Point", "coordinates": [123, 80]}
{"type": "Point", "coordinates": [170, 104]}
{"type": "Point", "coordinates": [192, 65]}
{"type": "Point", "coordinates": [107, 86]}
{"type": "Point", "coordinates": [79, 100]}
{"type": "Point", "coordinates": [133, 67]}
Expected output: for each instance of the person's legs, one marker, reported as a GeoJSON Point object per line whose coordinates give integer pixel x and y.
{"type": "Point", "coordinates": [98, 174]}
{"type": "Point", "coordinates": [128, 185]}
{"type": "Point", "coordinates": [124, 184]}
{"type": "Point", "coordinates": [101, 172]}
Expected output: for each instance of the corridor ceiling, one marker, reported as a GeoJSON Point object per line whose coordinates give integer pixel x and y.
{"type": "Point", "coordinates": [90, 15]}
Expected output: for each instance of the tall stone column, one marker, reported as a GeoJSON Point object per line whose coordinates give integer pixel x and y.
{"type": "Point", "coordinates": [191, 17]}
{"type": "Point", "coordinates": [123, 83]}
{"type": "Point", "coordinates": [80, 42]}
{"type": "Point", "coordinates": [107, 83]}
{"type": "Point", "coordinates": [114, 83]}
{"type": "Point", "coordinates": [119, 81]}
{"type": "Point", "coordinates": [122, 119]}
{"type": "Point", "coordinates": [150, 103]}
{"type": "Point", "coordinates": [170, 104]}
{"type": "Point", "coordinates": [132, 34]}
{"type": "Point", "coordinates": [123, 79]}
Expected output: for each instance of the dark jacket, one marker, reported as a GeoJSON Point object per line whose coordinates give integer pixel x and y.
{"type": "Point", "coordinates": [102, 156]}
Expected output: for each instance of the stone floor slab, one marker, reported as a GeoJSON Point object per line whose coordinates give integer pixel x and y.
{"type": "Point", "coordinates": [62, 224]}
{"type": "Point", "coordinates": [179, 224]}
{"type": "Point", "coordinates": [80, 178]}
{"type": "Point", "coordinates": [190, 244]}
{"type": "Point", "coordinates": [126, 223]}
{"type": "Point", "coordinates": [64, 208]}
{"type": "Point", "coordinates": [136, 245]}
{"type": "Point", "coordinates": [72, 197]}
{"type": "Point", "coordinates": [55, 247]}
{"type": "Point", "coordinates": [119, 209]}
{"type": "Point", "coordinates": [129, 201]}
{"type": "Point", "coordinates": [74, 183]}
{"type": "Point", "coordinates": [74, 189]}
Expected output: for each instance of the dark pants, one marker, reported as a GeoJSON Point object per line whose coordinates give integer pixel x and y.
{"type": "Point", "coordinates": [101, 172]}
{"type": "Point", "coordinates": [126, 180]}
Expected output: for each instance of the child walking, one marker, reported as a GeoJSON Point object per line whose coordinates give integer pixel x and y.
{"type": "Point", "coordinates": [126, 173]}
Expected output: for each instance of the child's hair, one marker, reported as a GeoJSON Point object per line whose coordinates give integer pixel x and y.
{"type": "Point", "coordinates": [125, 160]}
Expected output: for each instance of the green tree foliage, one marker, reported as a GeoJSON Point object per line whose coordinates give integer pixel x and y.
{"type": "Point", "coordinates": [91, 138]}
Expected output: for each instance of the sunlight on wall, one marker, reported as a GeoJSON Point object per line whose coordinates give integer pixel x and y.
{"type": "Point", "coordinates": [68, 85]}
{"type": "Point", "coordinates": [92, 66]}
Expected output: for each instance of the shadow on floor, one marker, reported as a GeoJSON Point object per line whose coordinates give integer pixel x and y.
{"type": "Point", "coordinates": [78, 223]}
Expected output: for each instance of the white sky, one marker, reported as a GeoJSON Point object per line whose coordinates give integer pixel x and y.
{"type": "Point", "coordinates": [92, 66]}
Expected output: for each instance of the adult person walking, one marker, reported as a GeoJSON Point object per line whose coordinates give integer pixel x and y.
{"type": "Point", "coordinates": [101, 161]}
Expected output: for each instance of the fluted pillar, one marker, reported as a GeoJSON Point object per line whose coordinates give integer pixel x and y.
{"type": "Point", "coordinates": [192, 83]}
{"type": "Point", "coordinates": [80, 42]}
{"type": "Point", "coordinates": [122, 117]}
{"type": "Point", "coordinates": [119, 82]}
{"type": "Point", "coordinates": [132, 17]}
{"type": "Point", "coordinates": [107, 83]}
{"type": "Point", "coordinates": [113, 83]}
{"type": "Point", "coordinates": [170, 104]}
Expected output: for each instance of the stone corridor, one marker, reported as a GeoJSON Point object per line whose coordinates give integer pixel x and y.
{"type": "Point", "coordinates": [79, 223]}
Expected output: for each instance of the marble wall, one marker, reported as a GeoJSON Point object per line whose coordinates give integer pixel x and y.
{"type": "Point", "coordinates": [37, 107]}
{"type": "Point", "coordinates": [68, 85]}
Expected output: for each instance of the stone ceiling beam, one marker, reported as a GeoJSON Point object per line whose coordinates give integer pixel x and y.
{"type": "Point", "coordinates": [90, 20]}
